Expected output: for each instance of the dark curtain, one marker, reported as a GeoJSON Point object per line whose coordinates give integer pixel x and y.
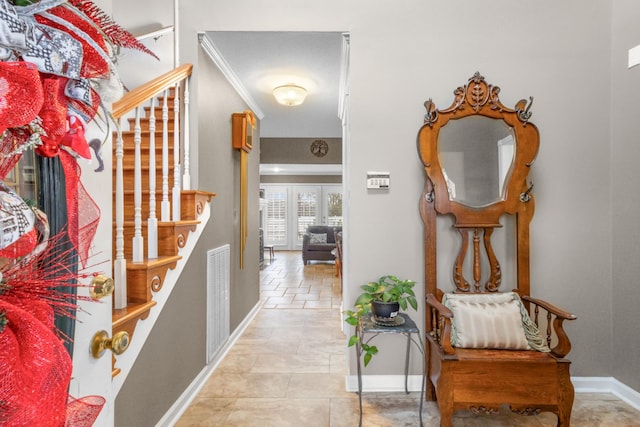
{"type": "Point", "coordinates": [52, 200]}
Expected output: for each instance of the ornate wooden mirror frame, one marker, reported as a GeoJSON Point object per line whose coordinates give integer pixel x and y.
{"type": "Point", "coordinates": [478, 98]}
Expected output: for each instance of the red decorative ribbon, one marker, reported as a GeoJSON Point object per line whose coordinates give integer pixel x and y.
{"type": "Point", "coordinates": [35, 368]}
{"type": "Point", "coordinates": [84, 411]}
{"type": "Point", "coordinates": [82, 211]}
{"type": "Point", "coordinates": [35, 371]}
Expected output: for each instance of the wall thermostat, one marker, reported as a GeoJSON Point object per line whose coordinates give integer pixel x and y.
{"type": "Point", "coordinates": [378, 180]}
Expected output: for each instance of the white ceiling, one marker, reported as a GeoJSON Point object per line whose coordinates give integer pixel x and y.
{"type": "Point", "coordinates": [257, 62]}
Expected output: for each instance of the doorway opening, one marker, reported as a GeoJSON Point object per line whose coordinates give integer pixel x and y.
{"type": "Point", "coordinates": [304, 146]}
{"type": "Point", "coordinates": [291, 208]}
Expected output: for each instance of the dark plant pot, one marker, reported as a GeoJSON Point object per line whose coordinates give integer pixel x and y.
{"type": "Point", "coordinates": [384, 311]}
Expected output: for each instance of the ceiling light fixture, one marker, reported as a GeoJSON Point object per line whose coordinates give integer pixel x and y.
{"type": "Point", "coordinates": [290, 94]}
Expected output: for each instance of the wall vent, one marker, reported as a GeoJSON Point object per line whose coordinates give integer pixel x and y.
{"type": "Point", "coordinates": [218, 281]}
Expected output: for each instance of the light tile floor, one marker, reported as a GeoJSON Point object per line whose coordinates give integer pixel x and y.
{"type": "Point", "coordinates": [289, 367]}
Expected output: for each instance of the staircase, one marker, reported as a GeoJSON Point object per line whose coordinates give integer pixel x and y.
{"type": "Point", "coordinates": [152, 240]}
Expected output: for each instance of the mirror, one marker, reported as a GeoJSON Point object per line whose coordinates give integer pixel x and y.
{"type": "Point", "coordinates": [476, 154]}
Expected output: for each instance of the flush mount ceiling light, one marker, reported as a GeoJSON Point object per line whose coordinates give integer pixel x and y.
{"type": "Point", "coordinates": [290, 94]}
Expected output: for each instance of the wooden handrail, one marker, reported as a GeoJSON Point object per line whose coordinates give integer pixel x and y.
{"type": "Point", "coordinates": [142, 93]}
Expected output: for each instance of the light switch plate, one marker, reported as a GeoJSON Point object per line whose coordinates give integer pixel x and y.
{"type": "Point", "coordinates": [378, 180]}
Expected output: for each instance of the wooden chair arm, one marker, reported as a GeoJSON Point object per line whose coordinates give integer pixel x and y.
{"type": "Point", "coordinates": [563, 346]}
{"type": "Point", "coordinates": [565, 315]}
{"type": "Point", "coordinates": [433, 302]}
{"type": "Point", "coordinates": [441, 322]}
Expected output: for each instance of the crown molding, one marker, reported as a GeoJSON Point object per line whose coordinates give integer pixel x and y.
{"type": "Point", "coordinates": [343, 90]}
{"type": "Point", "coordinates": [212, 51]}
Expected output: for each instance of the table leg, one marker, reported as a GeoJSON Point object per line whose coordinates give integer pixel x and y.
{"type": "Point", "coordinates": [406, 364]}
{"type": "Point", "coordinates": [359, 371]}
{"type": "Point", "coordinates": [424, 375]}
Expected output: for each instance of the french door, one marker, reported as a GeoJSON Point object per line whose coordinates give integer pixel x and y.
{"type": "Point", "coordinates": [290, 209]}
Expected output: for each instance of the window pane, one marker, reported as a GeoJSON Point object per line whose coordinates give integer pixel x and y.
{"type": "Point", "coordinates": [276, 221]}
{"type": "Point", "coordinates": [334, 209]}
{"type": "Point", "coordinates": [307, 211]}
{"type": "Point", "coordinates": [22, 178]}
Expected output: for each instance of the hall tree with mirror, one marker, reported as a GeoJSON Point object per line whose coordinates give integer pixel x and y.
{"type": "Point", "coordinates": [489, 343]}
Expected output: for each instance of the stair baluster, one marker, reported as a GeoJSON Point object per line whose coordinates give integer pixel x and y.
{"type": "Point", "coordinates": [120, 263]}
{"type": "Point", "coordinates": [152, 221]}
{"type": "Point", "coordinates": [166, 212]}
{"type": "Point", "coordinates": [175, 202]}
{"type": "Point", "coordinates": [138, 240]}
{"type": "Point", "coordinates": [186, 176]}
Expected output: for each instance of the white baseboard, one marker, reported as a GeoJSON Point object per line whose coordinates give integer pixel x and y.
{"type": "Point", "coordinates": [607, 385]}
{"type": "Point", "coordinates": [178, 408]}
{"type": "Point", "coordinates": [383, 383]}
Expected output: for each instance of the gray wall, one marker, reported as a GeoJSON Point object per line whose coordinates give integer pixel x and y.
{"type": "Point", "coordinates": [401, 54]}
{"type": "Point", "coordinates": [625, 197]}
{"type": "Point", "coordinates": [297, 150]}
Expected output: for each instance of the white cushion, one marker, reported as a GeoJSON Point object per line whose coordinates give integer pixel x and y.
{"type": "Point", "coordinates": [496, 321]}
{"type": "Point", "coordinates": [317, 237]}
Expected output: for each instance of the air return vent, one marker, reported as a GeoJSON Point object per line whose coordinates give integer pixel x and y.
{"type": "Point", "coordinates": [218, 279]}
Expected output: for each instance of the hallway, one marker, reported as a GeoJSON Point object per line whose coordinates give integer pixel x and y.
{"type": "Point", "coordinates": [289, 367]}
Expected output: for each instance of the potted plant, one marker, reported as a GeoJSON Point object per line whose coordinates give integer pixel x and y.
{"type": "Point", "coordinates": [382, 300]}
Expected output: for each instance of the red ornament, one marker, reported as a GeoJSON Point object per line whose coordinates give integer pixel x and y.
{"type": "Point", "coordinates": [74, 138]}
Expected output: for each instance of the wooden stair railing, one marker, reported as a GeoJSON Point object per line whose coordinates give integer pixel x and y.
{"type": "Point", "coordinates": [142, 153]}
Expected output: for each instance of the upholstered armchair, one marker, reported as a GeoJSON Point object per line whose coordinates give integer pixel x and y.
{"type": "Point", "coordinates": [318, 243]}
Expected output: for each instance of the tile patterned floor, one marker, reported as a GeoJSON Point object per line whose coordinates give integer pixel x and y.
{"type": "Point", "coordinates": [288, 369]}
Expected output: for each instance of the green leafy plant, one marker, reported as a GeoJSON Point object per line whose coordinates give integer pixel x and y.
{"type": "Point", "coordinates": [388, 289]}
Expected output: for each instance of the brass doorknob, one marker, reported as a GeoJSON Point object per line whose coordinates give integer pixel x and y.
{"type": "Point", "coordinates": [101, 342]}
{"type": "Point", "coordinates": [101, 286]}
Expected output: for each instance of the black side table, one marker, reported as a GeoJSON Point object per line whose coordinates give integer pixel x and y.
{"type": "Point", "coordinates": [367, 326]}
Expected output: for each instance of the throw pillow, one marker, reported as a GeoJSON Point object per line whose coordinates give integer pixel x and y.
{"type": "Point", "coordinates": [317, 237]}
{"type": "Point", "coordinates": [498, 321]}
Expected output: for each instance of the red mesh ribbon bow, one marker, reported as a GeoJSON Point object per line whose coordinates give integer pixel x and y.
{"type": "Point", "coordinates": [35, 368]}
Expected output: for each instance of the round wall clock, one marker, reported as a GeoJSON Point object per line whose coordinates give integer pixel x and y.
{"type": "Point", "coordinates": [319, 148]}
